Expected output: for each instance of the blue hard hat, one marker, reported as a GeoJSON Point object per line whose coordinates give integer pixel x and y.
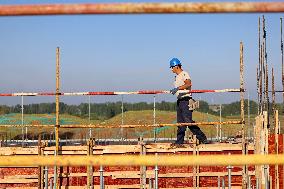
{"type": "Point", "coordinates": [174, 62]}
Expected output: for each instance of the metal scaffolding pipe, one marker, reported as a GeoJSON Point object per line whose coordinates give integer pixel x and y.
{"type": "Point", "coordinates": [118, 93]}
{"type": "Point", "coordinates": [154, 119]}
{"type": "Point", "coordinates": [147, 160]}
{"type": "Point", "coordinates": [57, 114]}
{"type": "Point", "coordinates": [244, 171]}
{"type": "Point", "coordinates": [131, 126]}
{"type": "Point", "coordinates": [229, 176]}
{"type": "Point", "coordinates": [141, 8]}
{"type": "Point", "coordinates": [46, 177]}
{"type": "Point", "coordinates": [249, 182]}
{"type": "Point", "coordinates": [282, 62]}
{"type": "Point", "coordinates": [57, 102]}
{"type": "Point", "coordinates": [102, 186]}
{"type": "Point", "coordinates": [150, 183]}
{"type": "Point", "coordinates": [156, 174]}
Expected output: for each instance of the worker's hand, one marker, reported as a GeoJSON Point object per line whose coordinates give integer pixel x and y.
{"type": "Point", "coordinates": [174, 90]}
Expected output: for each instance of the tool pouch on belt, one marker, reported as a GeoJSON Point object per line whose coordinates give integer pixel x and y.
{"type": "Point", "coordinates": [192, 104]}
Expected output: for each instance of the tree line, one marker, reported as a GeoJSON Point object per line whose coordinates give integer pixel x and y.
{"type": "Point", "coordinates": [101, 111]}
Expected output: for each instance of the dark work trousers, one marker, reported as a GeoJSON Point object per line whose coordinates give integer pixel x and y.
{"type": "Point", "coordinates": [184, 115]}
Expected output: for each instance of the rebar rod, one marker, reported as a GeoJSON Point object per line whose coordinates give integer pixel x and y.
{"type": "Point", "coordinates": [257, 86]}
{"type": "Point", "coordinates": [141, 8]}
{"type": "Point", "coordinates": [261, 81]}
{"type": "Point", "coordinates": [259, 69]}
{"type": "Point", "coordinates": [244, 171]}
{"type": "Point", "coordinates": [267, 96]}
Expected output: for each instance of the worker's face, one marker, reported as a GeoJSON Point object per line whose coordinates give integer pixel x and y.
{"type": "Point", "coordinates": [174, 69]}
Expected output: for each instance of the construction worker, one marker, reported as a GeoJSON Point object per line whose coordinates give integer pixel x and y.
{"type": "Point", "coordinates": [184, 113]}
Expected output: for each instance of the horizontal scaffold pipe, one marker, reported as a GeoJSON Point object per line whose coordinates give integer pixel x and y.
{"type": "Point", "coordinates": [141, 8]}
{"type": "Point", "coordinates": [137, 160]}
{"type": "Point", "coordinates": [280, 91]}
{"type": "Point", "coordinates": [130, 126]}
{"type": "Point", "coordinates": [119, 93]}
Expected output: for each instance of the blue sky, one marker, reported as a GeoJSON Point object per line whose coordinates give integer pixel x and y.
{"type": "Point", "coordinates": [131, 52]}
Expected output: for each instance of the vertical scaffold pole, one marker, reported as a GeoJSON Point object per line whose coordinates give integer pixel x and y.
{"type": "Point", "coordinates": [248, 116]}
{"type": "Point", "coordinates": [194, 167]}
{"type": "Point", "coordinates": [220, 125]}
{"type": "Point", "coordinates": [143, 168]}
{"type": "Point", "coordinates": [282, 58]}
{"type": "Point", "coordinates": [57, 111]}
{"type": "Point", "coordinates": [261, 81]}
{"type": "Point", "coordinates": [276, 121]}
{"type": "Point", "coordinates": [229, 176]}
{"type": "Point", "coordinates": [22, 111]}
{"type": "Point", "coordinates": [273, 94]}
{"type": "Point", "coordinates": [154, 119]}
{"type": "Point", "coordinates": [249, 182]}
{"type": "Point", "coordinates": [244, 172]}
{"type": "Point", "coordinates": [90, 168]}
{"type": "Point", "coordinates": [90, 130]}
{"type": "Point", "coordinates": [102, 186]}
{"type": "Point", "coordinates": [150, 183]}
{"type": "Point", "coordinates": [46, 177]}
{"type": "Point", "coordinates": [122, 118]}
{"type": "Point", "coordinates": [156, 175]}
{"type": "Point", "coordinates": [40, 168]}
{"type": "Point", "coordinates": [223, 183]}
{"type": "Point", "coordinates": [55, 174]}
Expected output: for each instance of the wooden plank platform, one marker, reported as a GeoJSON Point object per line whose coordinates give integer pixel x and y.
{"type": "Point", "coordinates": [121, 149]}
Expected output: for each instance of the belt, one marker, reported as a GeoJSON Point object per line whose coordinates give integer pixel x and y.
{"type": "Point", "coordinates": [187, 98]}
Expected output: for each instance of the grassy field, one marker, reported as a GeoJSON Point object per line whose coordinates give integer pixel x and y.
{"type": "Point", "coordinates": [130, 117]}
